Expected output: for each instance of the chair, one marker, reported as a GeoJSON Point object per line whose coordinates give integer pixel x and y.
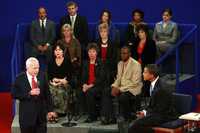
{"type": "Point", "coordinates": [182, 106]}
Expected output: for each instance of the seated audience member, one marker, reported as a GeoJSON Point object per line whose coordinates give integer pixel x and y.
{"type": "Point", "coordinates": [42, 35]}
{"type": "Point", "coordinates": [78, 23]}
{"type": "Point", "coordinates": [165, 32]}
{"type": "Point", "coordinates": [161, 107]}
{"type": "Point", "coordinates": [92, 82]}
{"type": "Point", "coordinates": [105, 17]}
{"type": "Point", "coordinates": [131, 33]}
{"type": "Point", "coordinates": [59, 75]}
{"type": "Point", "coordinates": [144, 51]}
{"type": "Point", "coordinates": [72, 52]}
{"type": "Point", "coordinates": [128, 83]}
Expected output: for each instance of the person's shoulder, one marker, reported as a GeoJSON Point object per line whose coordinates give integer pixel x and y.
{"type": "Point", "coordinates": [135, 62]}
{"type": "Point", "coordinates": [150, 42]}
{"type": "Point", "coordinates": [164, 85]}
{"type": "Point", "coordinates": [75, 41]}
{"type": "Point", "coordinates": [81, 17]}
{"type": "Point", "coordinates": [64, 18]}
{"type": "Point", "coordinates": [20, 75]}
{"type": "Point", "coordinates": [173, 23]}
{"type": "Point", "coordinates": [50, 21]}
{"type": "Point", "coordinates": [33, 22]}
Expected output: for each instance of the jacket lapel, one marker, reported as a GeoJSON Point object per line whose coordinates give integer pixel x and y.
{"type": "Point", "coordinates": [27, 84]}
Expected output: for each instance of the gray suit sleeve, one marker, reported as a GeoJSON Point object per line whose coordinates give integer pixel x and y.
{"type": "Point", "coordinates": [33, 34]}
{"type": "Point", "coordinates": [174, 37]}
{"type": "Point", "coordinates": [52, 36]}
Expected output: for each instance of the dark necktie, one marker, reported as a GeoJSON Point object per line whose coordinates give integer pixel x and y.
{"type": "Point", "coordinates": [43, 28]}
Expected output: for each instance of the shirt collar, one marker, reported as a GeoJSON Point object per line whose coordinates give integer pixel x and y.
{"type": "Point", "coordinates": [154, 82]}
{"type": "Point", "coordinates": [44, 20]}
{"type": "Point", "coordinates": [73, 16]}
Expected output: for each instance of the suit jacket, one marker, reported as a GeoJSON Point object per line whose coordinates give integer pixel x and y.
{"type": "Point", "coordinates": [80, 28]}
{"type": "Point", "coordinates": [168, 34]}
{"type": "Point", "coordinates": [32, 108]}
{"type": "Point", "coordinates": [131, 79]}
{"type": "Point", "coordinates": [99, 73]}
{"type": "Point", "coordinates": [36, 34]}
{"type": "Point", "coordinates": [162, 101]}
{"type": "Point", "coordinates": [131, 33]}
{"type": "Point", "coordinates": [149, 52]}
{"type": "Point", "coordinates": [110, 64]}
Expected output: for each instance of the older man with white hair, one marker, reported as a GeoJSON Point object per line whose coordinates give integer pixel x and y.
{"type": "Point", "coordinates": [31, 88]}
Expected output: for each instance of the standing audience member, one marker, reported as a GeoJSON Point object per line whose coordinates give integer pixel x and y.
{"type": "Point", "coordinates": [78, 24]}
{"type": "Point", "coordinates": [128, 83]}
{"type": "Point", "coordinates": [105, 17]}
{"type": "Point", "coordinates": [108, 52]}
{"type": "Point", "coordinates": [165, 32]}
{"type": "Point", "coordinates": [161, 108]}
{"type": "Point", "coordinates": [144, 51]}
{"type": "Point", "coordinates": [72, 45]}
{"type": "Point", "coordinates": [131, 33]}
{"type": "Point", "coordinates": [108, 55]}
{"type": "Point", "coordinates": [42, 35]}
{"type": "Point", "coordinates": [31, 89]}
{"type": "Point", "coordinates": [59, 75]}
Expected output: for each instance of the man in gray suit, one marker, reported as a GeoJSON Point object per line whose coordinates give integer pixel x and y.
{"type": "Point", "coordinates": [42, 35]}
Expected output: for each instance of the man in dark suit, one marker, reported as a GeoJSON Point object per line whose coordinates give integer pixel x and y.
{"type": "Point", "coordinates": [161, 107]}
{"type": "Point", "coordinates": [42, 35]}
{"type": "Point", "coordinates": [78, 23]}
{"type": "Point", "coordinates": [31, 89]}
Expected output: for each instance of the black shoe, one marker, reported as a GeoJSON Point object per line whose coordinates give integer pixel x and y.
{"type": "Point", "coordinates": [112, 121]}
{"type": "Point", "coordinates": [105, 121]}
{"type": "Point", "coordinates": [90, 119]}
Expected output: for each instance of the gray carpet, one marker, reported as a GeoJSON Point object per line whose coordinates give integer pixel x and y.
{"type": "Point", "coordinates": [81, 127]}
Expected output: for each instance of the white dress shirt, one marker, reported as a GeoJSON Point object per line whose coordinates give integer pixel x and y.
{"type": "Point", "coordinates": [151, 90]}
{"type": "Point", "coordinates": [44, 22]}
{"type": "Point", "coordinates": [73, 19]}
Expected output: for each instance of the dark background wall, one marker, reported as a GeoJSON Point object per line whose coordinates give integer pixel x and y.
{"type": "Point", "coordinates": [14, 12]}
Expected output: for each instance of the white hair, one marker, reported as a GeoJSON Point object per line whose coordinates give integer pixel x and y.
{"type": "Point", "coordinates": [30, 61]}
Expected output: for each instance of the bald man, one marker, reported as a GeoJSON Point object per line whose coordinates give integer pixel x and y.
{"type": "Point", "coordinates": [42, 35]}
{"type": "Point", "coordinates": [31, 89]}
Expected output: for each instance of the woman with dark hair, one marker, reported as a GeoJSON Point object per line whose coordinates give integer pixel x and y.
{"type": "Point", "coordinates": [131, 33]}
{"type": "Point", "coordinates": [59, 76]}
{"type": "Point", "coordinates": [105, 17]}
{"type": "Point", "coordinates": [145, 49]}
{"type": "Point", "coordinates": [92, 81]}
{"type": "Point", "coordinates": [165, 32]}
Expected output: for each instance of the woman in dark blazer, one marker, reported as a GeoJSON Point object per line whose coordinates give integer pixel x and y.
{"type": "Point", "coordinates": [108, 51]}
{"type": "Point", "coordinates": [92, 81]}
{"type": "Point", "coordinates": [145, 49]}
